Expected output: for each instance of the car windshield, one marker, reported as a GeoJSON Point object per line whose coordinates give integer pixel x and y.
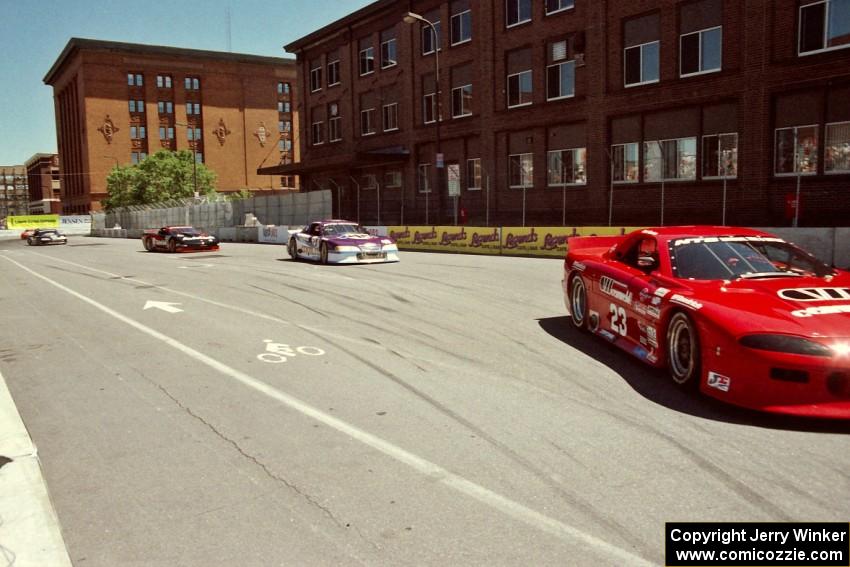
{"type": "Point", "coordinates": [186, 230]}
{"type": "Point", "coordinates": [734, 257]}
{"type": "Point", "coordinates": [340, 229]}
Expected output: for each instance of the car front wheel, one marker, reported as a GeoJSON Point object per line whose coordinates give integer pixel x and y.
{"type": "Point", "coordinates": [323, 253]}
{"type": "Point", "coordinates": [172, 245]}
{"type": "Point", "coordinates": [683, 352]}
{"type": "Point", "coordinates": [578, 302]}
{"type": "Point", "coordinates": [292, 248]}
{"type": "Point", "coordinates": [148, 244]}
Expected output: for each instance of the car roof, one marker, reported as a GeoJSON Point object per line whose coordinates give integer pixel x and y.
{"type": "Point", "coordinates": [674, 232]}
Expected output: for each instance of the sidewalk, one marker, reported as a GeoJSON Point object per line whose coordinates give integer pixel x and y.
{"type": "Point", "coordinates": [29, 529]}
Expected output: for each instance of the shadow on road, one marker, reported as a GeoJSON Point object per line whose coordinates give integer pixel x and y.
{"type": "Point", "coordinates": [655, 386]}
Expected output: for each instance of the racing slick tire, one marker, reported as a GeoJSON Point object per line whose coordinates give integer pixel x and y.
{"type": "Point", "coordinates": [578, 302]}
{"type": "Point", "coordinates": [29, 241]}
{"type": "Point", "coordinates": [147, 242]}
{"type": "Point", "coordinates": [683, 351]}
{"type": "Point", "coordinates": [323, 253]}
{"type": "Point", "coordinates": [172, 245]}
{"type": "Point", "coordinates": [292, 249]}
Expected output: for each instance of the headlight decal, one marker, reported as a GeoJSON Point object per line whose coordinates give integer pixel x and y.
{"type": "Point", "coordinates": [786, 344]}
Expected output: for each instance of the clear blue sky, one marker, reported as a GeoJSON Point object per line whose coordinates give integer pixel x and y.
{"type": "Point", "coordinates": [34, 34]}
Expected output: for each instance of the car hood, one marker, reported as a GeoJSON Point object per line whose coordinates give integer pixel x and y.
{"type": "Point", "coordinates": [355, 239]}
{"type": "Point", "coordinates": [805, 306]}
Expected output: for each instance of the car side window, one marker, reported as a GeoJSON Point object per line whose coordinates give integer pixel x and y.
{"type": "Point", "coordinates": [643, 255]}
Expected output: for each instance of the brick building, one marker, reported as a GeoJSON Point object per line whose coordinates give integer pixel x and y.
{"type": "Point", "coordinates": [14, 195]}
{"type": "Point", "coordinates": [116, 103]}
{"type": "Point", "coordinates": [43, 183]}
{"type": "Point", "coordinates": [576, 111]}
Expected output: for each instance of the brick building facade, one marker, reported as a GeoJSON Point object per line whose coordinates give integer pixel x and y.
{"type": "Point", "coordinates": [116, 103]}
{"type": "Point", "coordinates": [43, 184]}
{"type": "Point", "coordinates": [14, 194]}
{"type": "Point", "coordinates": [581, 112]}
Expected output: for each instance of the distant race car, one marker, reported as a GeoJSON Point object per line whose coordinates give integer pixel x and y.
{"type": "Point", "coordinates": [740, 314]}
{"type": "Point", "coordinates": [41, 236]}
{"type": "Point", "coordinates": [341, 242]}
{"type": "Point", "coordinates": [178, 239]}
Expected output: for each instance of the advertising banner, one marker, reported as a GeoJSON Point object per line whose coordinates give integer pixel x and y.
{"type": "Point", "coordinates": [467, 239]}
{"type": "Point", "coordinates": [75, 224]}
{"type": "Point", "coordinates": [271, 234]}
{"type": "Point", "coordinates": [376, 230]}
{"type": "Point", "coordinates": [32, 221]}
{"type": "Point", "coordinates": [550, 240]}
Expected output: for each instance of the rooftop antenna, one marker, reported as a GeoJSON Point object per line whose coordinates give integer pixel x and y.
{"type": "Point", "coordinates": [227, 19]}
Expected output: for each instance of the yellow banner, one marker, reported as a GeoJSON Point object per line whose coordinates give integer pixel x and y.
{"type": "Point", "coordinates": [467, 239]}
{"type": "Point", "coordinates": [32, 221]}
{"type": "Point", "coordinates": [550, 240]}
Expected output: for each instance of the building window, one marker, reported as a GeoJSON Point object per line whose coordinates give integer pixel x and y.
{"type": "Point", "coordinates": [720, 156]}
{"type": "Point", "coordinates": [136, 157]}
{"type": "Point", "coordinates": [392, 179]}
{"type": "Point", "coordinates": [137, 133]}
{"type": "Point", "coordinates": [473, 174]}
{"type": "Point", "coordinates": [284, 106]}
{"type": "Point", "coordinates": [287, 126]}
{"type": "Point", "coordinates": [165, 107]}
{"type": "Point", "coordinates": [519, 89]}
{"type": "Point", "coordinates": [390, 117]}
{"type": "Point", "coordinates": [192, 84]}
{"type": "Point", "coordinates": [554, 6]}
{"type": "Point", "coordinates": [193, 134]}
{"type": "Point", "coordinates": [567, 167]}
{"type": "Point", "coordinates": [430, 40]}
{"type": "Point", "coordinates": [423, 179]}
{"type": "Point", "coordinates": [137, 106]}
{"type": "Point", "coordinates": [797, 150]}
{"type": "Point", "coordinates": [367, 60]}
{"type": "Point", "coordinates": [641, 64]}
{"type": "Point", "coordinates": [193, 108]}
{"type": "Point", "coordinates": [135, 79]}
{"type": "Point", "coordinates": [282, 88]}
{"type": "Point", "coordinates": [163, 81]}
{"type": "Point", "coordinates": [462, 101]}
{"type": "Point", "coordinates": [462, 27]}
{"type": "Point", "coordinates": [284, 145]}
{"type": "Point", "coordinates": [429, 108]}
{"type": "Point", "coordinates": [824, 26]}
{"type": "Point", "coordinates": [281, 126]}
{"type": "Point", "coordinates": [199, 157]}
{"type": "Point", "coordinates": [334, 131]}
{"type": "Point", "coordinates": [517, 12]}
{"type": "Point", "coordinates": [333, 72]}
{"type": "Point", "coordinates": [701, 52]}
{"type": "Point", "coordinates": [561, 80]}
{"type": "Point", "coordinates": [318, 133]}
{"type": "Point", "coordinates": [837, 153]}
{"type": "Point", "coordinates": [166, 133]}
{"type": "Point", "coordinates": [316, 77]}
{"type": "Point", "coordinates": [670, 159]}
{"type": "Point", "coordinates": [367, 122]}
{"type": "Point", "coordinates": [521, 170]}
{"type": "Point", "coordinates": [389, 57]}
{"type": "Point", "coordinates": [625, 162]}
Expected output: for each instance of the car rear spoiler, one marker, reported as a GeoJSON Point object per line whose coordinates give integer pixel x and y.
{"type": "Point", "coordinates": [595, 245]}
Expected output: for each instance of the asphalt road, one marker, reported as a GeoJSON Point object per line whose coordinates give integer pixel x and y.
{"type": "Point", "coordinates": [438, 411]}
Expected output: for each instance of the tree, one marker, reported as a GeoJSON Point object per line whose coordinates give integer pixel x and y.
{"type": "Point", "coordinates": [239, 195]}
{"type": "Point", "coordinates": [161, 177]}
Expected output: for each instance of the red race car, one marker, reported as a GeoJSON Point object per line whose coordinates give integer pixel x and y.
{"type": "Point", "coordinates": [740, 314]}
{"type": "Point", "coordinates": [178, 239]}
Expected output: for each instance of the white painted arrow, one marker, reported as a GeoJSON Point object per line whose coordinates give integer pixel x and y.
{"type": "Point", "coordinates": [167, 307]}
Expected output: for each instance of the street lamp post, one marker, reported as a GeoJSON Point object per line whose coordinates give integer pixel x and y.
{"type": "Point", "coordinates": [410, 18]}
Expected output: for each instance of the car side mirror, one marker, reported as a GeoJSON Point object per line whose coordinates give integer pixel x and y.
{"type": "Point", "coordinates": [647, 262]}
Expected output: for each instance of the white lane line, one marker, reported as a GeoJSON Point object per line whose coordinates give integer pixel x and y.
{"type": "Point", "coordinates": [484, 495]}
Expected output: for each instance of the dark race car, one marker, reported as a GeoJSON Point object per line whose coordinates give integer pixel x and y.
{"type": "Point", "coordinates": [178, 239]}
{"type": "Point", "coordinates": [42, 236]}
{"type": "Point", "coordinates": [741, 314]}
{"type": "Point", "coordinates": [341, 242]}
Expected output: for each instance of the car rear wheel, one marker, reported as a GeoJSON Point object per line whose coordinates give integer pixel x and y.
{"type": "Point", "coordinates": [683, 352]}
{"type": "Point", "coordinates": [148, 244]}
{"type": "Point", "coordinates": [172, 245]}
{"type": "Point", "coordinates": [323, 253]}
{"type": "Point", "coordinates": [292, 248]}
{"type": "Point", "coordinates": [578, 302]}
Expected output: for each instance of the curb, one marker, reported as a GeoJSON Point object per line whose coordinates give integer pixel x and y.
{"type": "Point", "coordinates": [30, 535]}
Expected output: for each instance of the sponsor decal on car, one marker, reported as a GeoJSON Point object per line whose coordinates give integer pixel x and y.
{"type": "Point", "coordinates": [607, 335]}
{"type": "Point", "coordinates": [815, 293]}
{"type": "Point", "coordinates": [617, 290]}
{"type": "Point", "coordinates": [661, 292]}
{"type": "Point", "coordinates": [822, 310]}
{"type": "Point", "coordinates": [579, 266]}
{"type": "Point", "coordinates": [649, 335]}
{"type": "Point", "coordinates": [686, 302]}
{"type": "Point", "coordinates": [718, 381]}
